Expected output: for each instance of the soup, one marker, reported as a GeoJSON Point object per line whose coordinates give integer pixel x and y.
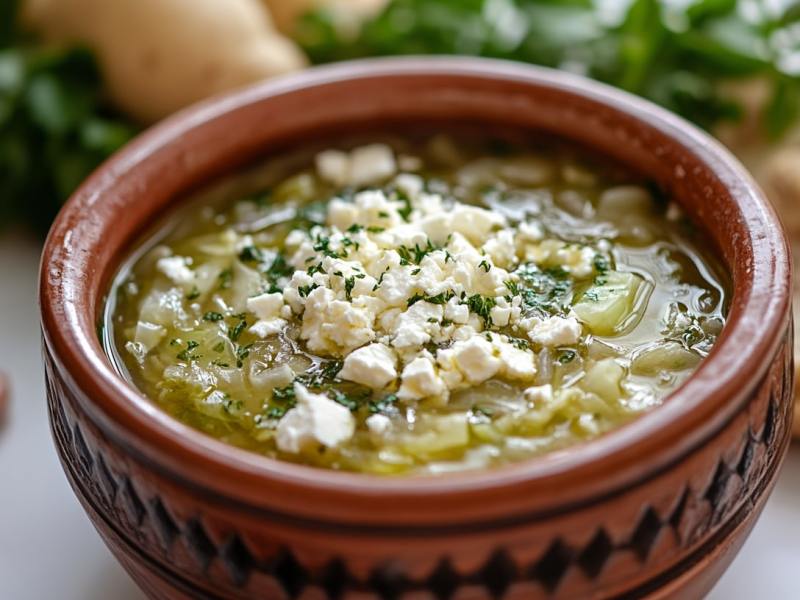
{"type": "Point", "coordinates": [417, 306]}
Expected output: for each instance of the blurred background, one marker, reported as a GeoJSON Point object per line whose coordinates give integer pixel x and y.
{"type": "Point", "coordinates": [79, 78]}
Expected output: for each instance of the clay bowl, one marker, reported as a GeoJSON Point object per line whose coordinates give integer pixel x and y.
{"type": "Point", "coordinates": [657, 508]}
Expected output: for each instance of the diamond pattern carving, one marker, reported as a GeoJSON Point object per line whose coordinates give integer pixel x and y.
{"type": "Point", "coordinates": [149, 519]}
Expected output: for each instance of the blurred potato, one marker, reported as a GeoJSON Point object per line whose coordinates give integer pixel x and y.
{"type": "Point", "coordinates": [349, 14]}
{"type": "Point", "coordinates": [158, 56]}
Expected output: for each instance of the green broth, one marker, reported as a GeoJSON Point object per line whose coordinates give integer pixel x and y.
{"type": "Point", "coordinates": [586, 243]}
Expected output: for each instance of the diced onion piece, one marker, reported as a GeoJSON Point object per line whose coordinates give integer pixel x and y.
{"type": "Point", "coordinates": [606, 306]}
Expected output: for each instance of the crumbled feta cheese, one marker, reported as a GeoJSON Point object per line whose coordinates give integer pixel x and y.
{"type": "Point", "coordinates": [268, 327]}
{"type": "Point", "coordinates": [148, 335]}
{"type": "Point", "coordinates": [378, 424]}
{"type": "Point", "coordinates": [373, 366]}
{"type": "Point", "coordinates": [474, 223]}
{"type": "Point", "coordinates": [516, 363]}
{"type": "Point", "coordinates": [502, 248]}
{"type": "Point", "coordinates": [361, 166]}
{"type": "Point", "coordinates": [530, 231]}
{"type": "Point", "coordinates": [335, 326]}
{"type": "Point", "coordinates": [341, 215]}
{"type": "Point", "coordinates": [416, 326]}
{"type": "Point", "coordinates": [500, 315]}
{"type": "Point", "coordinates": [474, 359]}
{"type": "Point", "coordinates": [376, 210]}
{"type": "Point", "coordinates": [578, 260]}
{"type": "Point", "coordinates": [420, 380]}
{"type": "Point", "coordinates": [316, 419]}
{"type": "Point", "coordinates": [456, 312]}
{"type": "Point", "coordinates": [409, 163]}
{"type": "Point", "coordinates": [554, 331]}
{"type": "Point", "coordinates": [370, 164]}
{"type": "Point", "coordinates": [176, 268]}
{"type": "Point", "coordinates": [412, 185]}
{"type": "Point", "coordinates": [266, 306]}
{"type": "Point", "coordinates": [539, 394]}
{"type": "Point", "coordinates": [334, 166]}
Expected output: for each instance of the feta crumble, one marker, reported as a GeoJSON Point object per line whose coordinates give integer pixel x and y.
{"type": "Point", "coordinates": [373, 366]}
{"type": "Point", "coordinates": [315, 420]}
{"type": "Point", "coordinates": [176, 269]}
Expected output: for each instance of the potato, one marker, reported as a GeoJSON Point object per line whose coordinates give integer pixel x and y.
{"type": "Point", "coordinates": [158, 56]}
{"type": "Point", "coordinates": [604, 378]}
{"type": "Point", "coordinates": [348, 14]}
{"type": "Point", "coordinates": [606, 306]}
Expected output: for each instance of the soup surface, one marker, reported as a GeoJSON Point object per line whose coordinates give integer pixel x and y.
{"type": "Point", "coordinates": [417, 307]}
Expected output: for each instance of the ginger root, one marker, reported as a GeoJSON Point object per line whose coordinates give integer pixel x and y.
{"type": "Point", "coordinates": [158, 56]}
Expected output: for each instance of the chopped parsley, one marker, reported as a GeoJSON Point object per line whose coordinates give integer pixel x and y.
{"type": "Point", "coordinates": [349, 284]}
{"type": "Point", "coordinates": [441, 298]}
{"type": "Point", "coordinates": [305, 290]}
{"type": "Point", "coordinates": [385, 405]}
{"type": "Point", "coordinates": [251, 254]}
{"type": "Point", "coordinates": [546, 291]}
{"type": "Point", "coordinates": [242, 352]}
{"type": "Point", "coordinates": [188, 353]}
{"type": "Point", "coordinates": [226, 279]}
{"type": "Point", "coordinates": [566, 356]}
{"type": "Point", "coordinates": [236, 331]}
{"type": "Point", "coordinates": [482, 306]}
{"type": "Point", "coordinates": [212, 316]}
{"type": "Point", "coordinates": [415, 255]}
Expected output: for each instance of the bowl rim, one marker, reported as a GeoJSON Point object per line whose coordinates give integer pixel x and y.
{"type": "Point", "coordinates": [604, 465]}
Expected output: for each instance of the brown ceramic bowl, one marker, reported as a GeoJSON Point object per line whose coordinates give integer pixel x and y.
{"type": "Point", "coordinates": [657, 508]}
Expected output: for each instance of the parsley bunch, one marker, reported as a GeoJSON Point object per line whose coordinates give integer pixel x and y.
{"type": "Point", "coordinates": [55, 126]}
{"type": "Point", "coordinates": [674, 52]}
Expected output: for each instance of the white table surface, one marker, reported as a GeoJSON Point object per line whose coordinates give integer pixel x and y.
{"type": "Point", "coordinates": [49, 550]}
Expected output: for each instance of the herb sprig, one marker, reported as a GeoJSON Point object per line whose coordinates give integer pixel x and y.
{"type": "Point", "coordinates": [676, 54]}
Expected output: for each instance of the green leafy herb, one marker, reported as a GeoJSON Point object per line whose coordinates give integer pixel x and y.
{"type": "Point", "coordinates": [482, 306]}
{"type": "Point", "coordinates": [349, 284]}
{"type": "Point", "coordinates": [251, 254]}
{"type": "Point", "coordinates": [321, 374]}
{"type": "Point", "coordinates": [187, 353]}
{"type": "Point", "coordinates": [674, 53]}
{"type": "Point", "coordinates": [415, 255]}
{"type": "Point", "coordinates": [441, 298]}
{"type": "Point", "coordinates": [236, 331]}
{"type": "Point", "coordinates": [242, 352]}
{"type": "Point", "coordinates": [56, 126]}
{"type": "Point", "coordinates": [194, 294]}
{"type": "Point", "coordinates": [566, 356]}
{"type": "Point", "coordinates": [305, 290]}
{"type": "Point", "coordinates": [283, 400]}
{"type": "Point", "coordinates": [601, 264]}
{"type": "Point", "coordinates": [279, 268]}
{"type": "Point", "coordinates": [545, 292]}
{"type": "Point", "coordinates": [213, 316]}
{"type": "Point", "coordinates": [225, 279]}
{"type": "Point", "coordinates": [385, 405]}
{"type": "Point", "coordinates": [350, 401]}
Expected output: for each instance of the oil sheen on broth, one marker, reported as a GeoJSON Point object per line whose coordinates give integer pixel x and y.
{"type": "Point", "coordinates": [417, 307]}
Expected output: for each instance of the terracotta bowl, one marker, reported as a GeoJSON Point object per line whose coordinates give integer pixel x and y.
{"type": "Point", "coordinates": [657, 508]}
